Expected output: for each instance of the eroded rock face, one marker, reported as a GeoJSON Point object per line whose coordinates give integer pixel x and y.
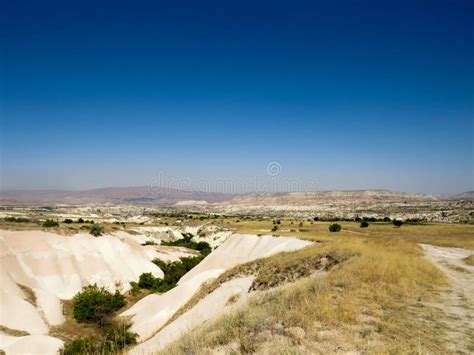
{"type": "Point", "coordinates": [350, 204]}
{"type": "Point", "coordinates": [209, 307]}
{"type": "Point", "coordinates": [30, 344]}
{"type": "Point", "coordinates": [153, 311]}
{"type": "Point", "coordinates": [39, 269]}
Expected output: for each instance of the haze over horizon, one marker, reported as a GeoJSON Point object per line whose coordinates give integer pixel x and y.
{"type": "Point", "coordinates": [354, 95]}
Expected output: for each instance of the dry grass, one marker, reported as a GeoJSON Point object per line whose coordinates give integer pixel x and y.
{"type": "Point", "coordinates": [13, 332]}
{"type": "Point", "coordinates": [67, 229]}
{"type": "Point", "coordinates": [272, 271]}
{"type": "Point", "coordinates": [370, 302]}
{"type": "Point", "coordinates": [442, 234]}
{"type": "Point", "coordinates": [29, 294]}
{"type": "Point", "coordinates": [469, 260]}
{"type": "Point", "coordinates": [375, 298]}
{"type": "Point", "coordinates": [71, 329]}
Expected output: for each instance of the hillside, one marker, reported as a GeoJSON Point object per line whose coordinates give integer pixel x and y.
{"type": "Point", "coordinates": [137, 195]}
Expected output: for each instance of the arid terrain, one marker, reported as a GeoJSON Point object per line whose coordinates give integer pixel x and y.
{"type": "Point", "coordinates": [274, 280]}
{"type": "Point", "coordinates": [110, 202]}
{"type": "Point", "coordinates": [236, 177]}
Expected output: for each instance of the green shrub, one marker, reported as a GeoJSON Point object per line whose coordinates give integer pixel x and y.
{"type": "Point", "coordinates": [80, 220]}
{"type": "Point", "coordinates": [364, 224]}
{"type": "Point", "coordinates": [147, 280]}
{"type": "Point", "coordinates": [50, 223]}
{"type": "Point", "coordinates": [334, 227]}
{"type": "Point", "coordinates": [275, 228]}
{"type": "Point", "coordinates": [96, 304]}
{"type": "Point", "coordinates": [68, 221]}
{"type": "Point", "coordinates": [204, 248]}
{"type": "Point", "coordinates": [173, 272]}
{"type": "Point", "coordinates": [16, 219]}
{"type": "Point", "coordinates": [386, 219]}
{"type": "Point", "coordinates": [397, 223]}
{"type": "Point", "coordinates": [135, 290]}
{"type": "Point", "coordinates": [96, 230]}
{"type": "Point", "coordinates": [187, 242]}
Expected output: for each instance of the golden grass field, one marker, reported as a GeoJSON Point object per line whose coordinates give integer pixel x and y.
{"type": "Point", "coordinates": [378, 301]}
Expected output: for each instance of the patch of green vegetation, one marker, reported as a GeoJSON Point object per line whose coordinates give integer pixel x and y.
{"type": "Point", "coordinates": [50, 223]}
{"type": "Point", "coordinates": [89, 221]}
{"type": "Point", "coordinates": [111, 339]}
{"type": "Point", "coordinates": [96, 230]}
{"type": "Point", "coordinates": [96, 304]}
{"type": "Point", "coordinates": [397, 223]}
{"type": "Point", "coordinates": [335, 228]}
{"type": "Point", "coordinates": [173, 273]}
{"type": "Point", "coordinates": [175, 270]}
{"type": "Point", "coordinates": [16, 219]}
{"type": "Point", "coordinates": [364, 224]}
{"type": "Point", "coordinates": [149, 242]}
{"type": "Point", "coordinates": [187, 242]}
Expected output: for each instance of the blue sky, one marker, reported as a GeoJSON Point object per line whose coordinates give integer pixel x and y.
{"type": "Point", "coordinates": [354, 94]}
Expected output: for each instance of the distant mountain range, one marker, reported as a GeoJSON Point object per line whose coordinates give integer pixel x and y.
{"type": "Point", "coordinates": [139, 195]}
{"type": "Point", "coordinates": [468, 196]}
{"type": "Point", "coordinates": [142, 195]}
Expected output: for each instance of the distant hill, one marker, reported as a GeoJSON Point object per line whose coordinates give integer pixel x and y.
{"type": "Point", "coordinates": [143, 195]}
{"type": "Point", "coordinates": [328, 197]}
{"type": "Point", "coordinates": [466, 196]}
{"type": "Point", "coordinates": [139, 195]}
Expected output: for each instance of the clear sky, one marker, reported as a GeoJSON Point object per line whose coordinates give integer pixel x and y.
{"type": "Point", "coordinates": [354, 94]}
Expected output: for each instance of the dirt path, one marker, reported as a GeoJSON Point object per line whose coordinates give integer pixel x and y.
{"type": "Point", "coordinates": [459, 297]}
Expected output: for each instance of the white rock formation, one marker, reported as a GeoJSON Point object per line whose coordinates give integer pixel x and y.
{"type": "Point", "coordinates": [56, 267]}
{"type": "Point", "coordinates": [153, 311]}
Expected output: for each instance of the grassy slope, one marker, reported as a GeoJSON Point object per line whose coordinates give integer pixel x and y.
{"type": "Point", "coordinates": [376, 301]}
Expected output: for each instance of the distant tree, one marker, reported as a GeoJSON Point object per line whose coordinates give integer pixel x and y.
{"type": "Point", "coordinates": [96, 230]}
{"type": "Point", "coordinates": [334, 227]}
{"type": "Point", "coordinates": [364, 224]}
{"type": "Point", "coordinates": [397, 223]}
{"type": "Point", "coordinates": [204, 248]}
{"type": "Point", "coordinates": [316, 219]}
{"type": "Point", "coordinates": [80, 220]}
{"type": "Point", "coordinates": [16, 219]}
{"type": "Point", "coordinates": [275, 228]}
{"type": "Point", "coordinates": [386, 219]}
{"type": "Point", "coordinates": [50, 223]}
{"type": "Point", "coordinates": [68, 221]}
